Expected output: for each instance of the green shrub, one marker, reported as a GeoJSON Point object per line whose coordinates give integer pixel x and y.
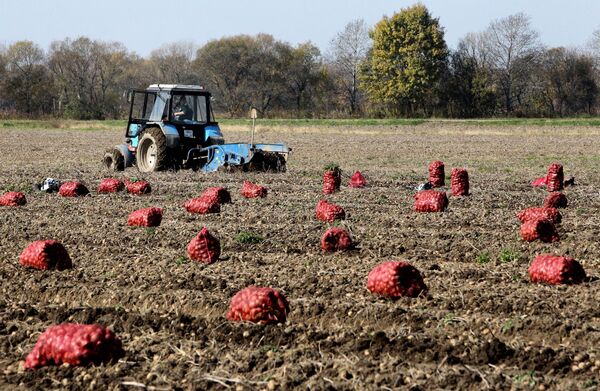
{"type": "Point", "coordinates": [508, 255]}
{"type": "Point", "coordinates": [331, 167]}
{"type": "Point", "coordinates": [483, 257]}
{"type": "Point", "coordinates": [247, 237]}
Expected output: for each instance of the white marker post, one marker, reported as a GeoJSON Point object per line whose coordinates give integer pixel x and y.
{"type": "Point", "coordinates": [253, 115]}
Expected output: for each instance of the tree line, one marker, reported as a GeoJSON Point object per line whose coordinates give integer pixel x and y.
{"type": "Point", "coordinates": [400, 67]}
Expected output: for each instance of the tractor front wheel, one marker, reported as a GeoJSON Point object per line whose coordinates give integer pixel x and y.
{"type": "Point", "coordinates": [152, 154]}
{"type": "Point", "coordinates": [114, 160]}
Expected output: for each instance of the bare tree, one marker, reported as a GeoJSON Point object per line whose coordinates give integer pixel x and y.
{"type": "Point", "coordinates": [87, 74]}
{"type": "Point", "coordinates": [594, 43]}
{"type": "Point", "coordinates": [112, 63]}
{"type": "Point", "coordinates": [172, 63]}
{"type": "Point", "coordinates": [511, 48]}
{"type": "Point", "coordinates": [472, 46]}
{"type": "Point", "coordinates": [348, 49]}
{"type": "Point", "coordinates": [26, 82]}
{"type": "Point", "coordinates": [3, 99]}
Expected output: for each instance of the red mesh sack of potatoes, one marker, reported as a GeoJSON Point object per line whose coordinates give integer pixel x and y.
{"type": "Point", "coordinates": [539, 229]}
{"type": "Point", "coordinates": [250, 190]}
{"type": "Point", "coordinates": [537, 213]}
{"type": "Point", "coordinates": [73, 189]}
{"type": "Point", "coordinates": [555, 200]}
{"type": "Point", "coordinates": [396, 279]}
{"type": "Point", "coordinates": [555, 177]}
{"type": "Point", "coordinates": [357, 180]}
{"type": "Point", "coordinates": [74, 344]}
{"type": "Point", "coordinates": [258, 305]}
{"type": "Point", "coordinates": [204, 247]}
{"type": "Point", "coordinates": [138, 187]}
{"type": "Point", "coordinates": [202, 205]}
{"type": "Point", "coordinates": [147, 217]}
{"type": "Point", "coordinates": [431, 201]}
{"type": "Point", "coordinates": [329, 212]}
{"type": "Point", "coordinates": [45, 255]}
{"type": "Point", "coordinates": [539, 182]}
{"type": "Point", "coordinates": [13, 198]}
{"type": "Point", "coordinates": [336, 239]}
{"type": "Point", "coordinates": [217, 194]}
{"type": "Point", "coordinates": [460, 182]}
{"type": "Point", "coordinates": [436, 174]}
{"type": "Point", "coordinates": [110, 185]}
{"type": "Point", "coordinates": [332, 179]}
{"type": "Point", "coordinates": [553, 269]}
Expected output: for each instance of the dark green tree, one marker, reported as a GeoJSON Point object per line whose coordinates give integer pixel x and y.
{"type": "Point", "coordinates": [408, 57]}
{"type": "Point", "coordinates": [468, 85]}
{"type": "Point", "coordinates": [567, 82]}
{"type": "Point", "coordinates": [304, 71]}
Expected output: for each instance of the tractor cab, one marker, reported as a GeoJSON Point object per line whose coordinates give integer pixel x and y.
{"type": "Point", "coordinates": [184, 113]}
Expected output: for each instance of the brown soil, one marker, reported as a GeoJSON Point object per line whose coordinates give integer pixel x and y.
{"type": "Point", "coordinates": [483, 326]}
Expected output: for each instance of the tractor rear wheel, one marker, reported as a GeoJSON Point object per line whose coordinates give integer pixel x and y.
{"type": "Point", "coordinates": [152, 154]}
{"type": "Point", "coordinates": [114, 160]}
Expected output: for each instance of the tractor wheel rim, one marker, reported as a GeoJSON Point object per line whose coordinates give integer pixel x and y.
{"type": "Point", "coordinates": [151, 155]}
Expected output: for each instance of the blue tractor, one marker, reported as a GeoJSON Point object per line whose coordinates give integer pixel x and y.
{"type": "Point", "coordinates": [173, 126]}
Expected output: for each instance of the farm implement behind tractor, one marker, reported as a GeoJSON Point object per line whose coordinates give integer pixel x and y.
{"type": "Point", "coordinates": [173, 126]}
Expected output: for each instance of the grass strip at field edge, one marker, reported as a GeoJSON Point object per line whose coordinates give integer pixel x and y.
{"type": "Point", "coordinates": [308, 123]}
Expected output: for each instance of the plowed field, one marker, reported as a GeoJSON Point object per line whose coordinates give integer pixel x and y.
{"type": "Point", "coordinates": [482, 325]}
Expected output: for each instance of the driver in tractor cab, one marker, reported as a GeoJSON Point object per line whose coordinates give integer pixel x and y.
{"type": "Point", "coordinates": [183, 111]}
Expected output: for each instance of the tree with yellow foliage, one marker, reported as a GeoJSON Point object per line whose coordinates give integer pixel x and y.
{"type": "Point", "coordinates": [408, 58]}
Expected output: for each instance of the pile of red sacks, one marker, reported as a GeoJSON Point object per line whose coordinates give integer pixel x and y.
{"type": "Point", "coordinates": [556, 200]}
{"type": "Point", "coordinates": [13, 198]}
{"type": "Point", "coordinates": [111, 185]}
{"type": "Point", "coordinates": [74, 344]}
{"type": "Point", "coordinates": [336, 239]}
{"type": "Point", "coordinates": [395, 279]}
{"type": "Point", "coordinates": [147, 217]}
{"type": "Point", "coordinates": [329, 212]}
{"type": "Point", "coordinates": [204, 247]}
{"type": "Point", "coordinates": [46, 255]}
{"type": "Point", "coordinates": [259, 305]}
{"type": "Point", "coordinates": [431, 201]}
{"type": "Point", "coordinates": [138, 187]}
{"type": "Point", "coordinates": [357, 180]}
{"type": "Point", "coordinates": [460, 182]}
{"type": "Point", "coordinates": [251, 190]}
{"type": "Point", "coordinates": [555, 177]}
{"type": "Point", "coordinates": [436, 174]}
{"type": "Point", "coordinates": [332, 179]}
{"type": "Point", "coordinates": [73, 189]}
{"type": "Point", "coordinates": [553, 269]}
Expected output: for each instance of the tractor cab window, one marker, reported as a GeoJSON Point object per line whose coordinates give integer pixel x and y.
{"type": "Point", "coordinates": [141, 106]}
{"type": "Point", "coordinates": [189, 109]}
{"type": "Point", "coordinates": [159, 107]}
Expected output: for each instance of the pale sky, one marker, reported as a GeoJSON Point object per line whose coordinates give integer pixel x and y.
{"type": "Point", "coordinates": [144, 25]}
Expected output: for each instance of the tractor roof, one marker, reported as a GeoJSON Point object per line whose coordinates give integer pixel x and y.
{"type": "Point", "coordinates": [174, 87]}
